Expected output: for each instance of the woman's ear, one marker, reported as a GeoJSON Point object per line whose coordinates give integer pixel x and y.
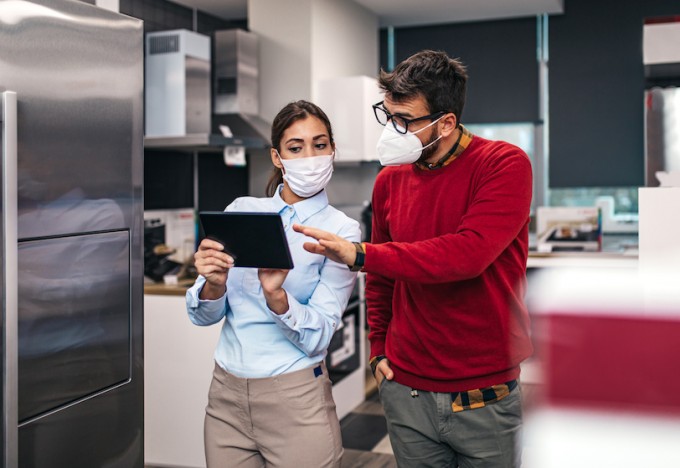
{"type": "Point", "coordinates": [450, 123]}
{"type": "Point", "coordinates": [276, 160]}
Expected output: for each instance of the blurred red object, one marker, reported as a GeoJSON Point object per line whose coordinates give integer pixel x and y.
{"type": "Point", "coordinates": [608, 340]}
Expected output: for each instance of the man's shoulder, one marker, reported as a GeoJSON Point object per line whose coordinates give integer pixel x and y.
{"type": "Point", "coordinates": [497, 149]}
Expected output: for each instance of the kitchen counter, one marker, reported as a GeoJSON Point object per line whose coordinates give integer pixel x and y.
{"type": "Point", "coordinates": [583, 259]}
{"type": "Point", "coordinates": [617, 251]}
{"type": "Point", "coordinates": [161, 289]}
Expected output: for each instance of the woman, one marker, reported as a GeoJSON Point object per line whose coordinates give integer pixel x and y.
{"type": "Point", "coordinates": [270, 401]}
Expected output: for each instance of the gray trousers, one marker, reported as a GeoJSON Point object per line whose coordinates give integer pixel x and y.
{"type": "Point", "coordinates": [425, 432]}
{"type": "Point", "coordinates": [284, 421]}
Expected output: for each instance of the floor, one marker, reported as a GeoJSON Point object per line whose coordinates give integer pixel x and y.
{"type": "Point", "coordinates": [364, 436]}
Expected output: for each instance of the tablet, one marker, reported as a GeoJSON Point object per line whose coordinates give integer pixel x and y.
{"type": "Point", "coordinates": [255, 240]}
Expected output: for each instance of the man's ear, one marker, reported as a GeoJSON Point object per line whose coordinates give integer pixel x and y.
{"type": "Point", "coordinates": [449, 124]}
{"type": "Point", "coordinates": [275, 158]}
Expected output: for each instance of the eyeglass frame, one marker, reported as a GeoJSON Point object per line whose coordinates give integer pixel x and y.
{"type": "Point", "coordinates": [390, 117]}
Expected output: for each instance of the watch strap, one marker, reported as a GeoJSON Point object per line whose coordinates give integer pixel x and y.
{"type": "Point", "coordinates": [360, 258]}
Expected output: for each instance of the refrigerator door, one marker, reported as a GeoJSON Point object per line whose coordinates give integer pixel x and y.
{"type": "Point", "coordinates": [77, 71]}
{"type": "Point", "coordinates": [70, 349]}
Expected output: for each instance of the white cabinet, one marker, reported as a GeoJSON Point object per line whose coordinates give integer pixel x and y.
{"type": "Point", "coordinates": [659, 230]}
{"type": "Point", "coordinates": [350, 358]}
{"type": "Point", "coordinates": [178, 366]}
{"type": "Point", "coordinates": [347, 101]}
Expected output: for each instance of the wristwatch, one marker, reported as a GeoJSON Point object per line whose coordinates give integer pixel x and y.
{"type": "Point", "coordinates": [374, 362]}
{"type": "Point", "coordinates": [360, 258]}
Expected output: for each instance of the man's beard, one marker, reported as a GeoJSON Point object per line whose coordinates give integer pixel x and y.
{"type": "Point", "coordinates": [430, 150]}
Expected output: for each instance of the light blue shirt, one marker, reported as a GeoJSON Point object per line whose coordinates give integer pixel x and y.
{"type": "Point", "coordinates": [256, 342]}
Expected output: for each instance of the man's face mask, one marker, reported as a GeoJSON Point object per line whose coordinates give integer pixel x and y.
{"type": "Point", "coordinates": [395, 149]}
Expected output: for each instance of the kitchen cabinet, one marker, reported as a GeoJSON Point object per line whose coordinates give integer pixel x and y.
{"type": "Point", "coordinates": [660, 231]}
{"type": "Point", "coordinates": [178, 365]}
{"type": "Point", "coordinates": [348, 103]}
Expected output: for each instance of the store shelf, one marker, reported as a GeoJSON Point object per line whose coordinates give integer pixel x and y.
{"type": "Point", "coordinates": [201, 142]}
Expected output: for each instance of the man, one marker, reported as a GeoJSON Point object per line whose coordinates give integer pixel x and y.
{"type": "Point", "coordinates": [446, 273]}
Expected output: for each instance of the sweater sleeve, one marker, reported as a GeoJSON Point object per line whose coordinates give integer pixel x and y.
{"type": "Point", "coordinates": [379, 288]}
{"type": "Point", "coordinates": [498, 210]}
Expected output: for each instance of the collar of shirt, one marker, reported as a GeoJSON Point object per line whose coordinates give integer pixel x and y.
{"type": "Point", "coordinates": [304, 208]}
{"type": "Point", "coordinates": [461, 144]}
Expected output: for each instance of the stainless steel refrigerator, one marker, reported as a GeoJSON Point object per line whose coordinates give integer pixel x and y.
{"type": "Point", "coordinates": [71, 80]}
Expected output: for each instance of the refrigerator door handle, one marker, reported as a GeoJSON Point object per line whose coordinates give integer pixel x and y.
{"type": "Point", "coordinates": [10, 309]}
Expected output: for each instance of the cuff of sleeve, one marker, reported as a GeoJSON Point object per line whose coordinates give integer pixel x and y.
{"type": "Point", "coordinates": [290, 318]}
{"type": "Point", "coordinates": [377, 348]}
{"type": "Point", "coordinates": [369, 256]}
{"type": "Point", "coordinates": [207, 305]}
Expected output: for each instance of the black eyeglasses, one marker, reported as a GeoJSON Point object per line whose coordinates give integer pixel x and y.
{"type": "Point", "coordinates": [400, 123]}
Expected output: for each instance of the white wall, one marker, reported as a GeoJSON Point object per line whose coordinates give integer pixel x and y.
{"type": "Point", "coordinates": [345, 41]}
{"type": "Point", "coordinates": [285, 40]}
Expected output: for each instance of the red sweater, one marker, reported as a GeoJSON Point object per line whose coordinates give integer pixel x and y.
{"type": "Point", "coordinates": [446, 269]}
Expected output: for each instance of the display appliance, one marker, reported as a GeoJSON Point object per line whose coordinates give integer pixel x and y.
{"type": "Point", "coordinates": [71, 82]}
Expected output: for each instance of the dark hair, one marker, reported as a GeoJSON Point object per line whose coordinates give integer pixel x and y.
{"type": "Point", "coordinates": [286, 117]}
{"type": "Point", "coordinates": [439, 79]}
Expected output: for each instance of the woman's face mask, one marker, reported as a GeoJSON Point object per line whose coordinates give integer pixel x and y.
{"type": "Point", "coordinates": [395, 149]}
{"type": "Point", "coordinates": [307, 176]}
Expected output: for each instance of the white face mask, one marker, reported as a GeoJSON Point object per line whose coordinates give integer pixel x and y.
{"type": "Point", "coordinates": [395, 149]}
{"type": "Point", "coordinates": [307, 176]}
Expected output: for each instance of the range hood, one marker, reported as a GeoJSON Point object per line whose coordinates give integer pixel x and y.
{"type": "Point", "coordinates": [235, 85]}
{"type": "Point", "coordinates": [234, 120]}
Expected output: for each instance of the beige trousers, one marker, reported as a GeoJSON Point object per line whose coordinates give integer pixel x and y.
{"type": "Point", "coordinates": [284, 421]}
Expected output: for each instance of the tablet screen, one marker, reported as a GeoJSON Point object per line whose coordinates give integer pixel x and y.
{"type": "Point", "coordinates": [255, 240]}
